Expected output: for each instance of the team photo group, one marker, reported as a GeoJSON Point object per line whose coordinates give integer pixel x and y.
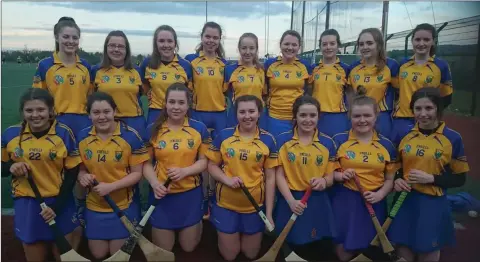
{"type": "Point", "coordinates": [247, 146]}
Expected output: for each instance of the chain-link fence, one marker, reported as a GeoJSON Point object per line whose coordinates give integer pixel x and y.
{"type": "Point", "coordinates": [457, 41]}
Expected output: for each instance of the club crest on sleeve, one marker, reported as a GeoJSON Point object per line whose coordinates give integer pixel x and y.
{"type": "Point", "coordinates": [381, 158]}
{"type": "Point", "coordinates": [438, 154]}
{"type": "Point", "coordinates": [339, 77]}
{"type": "Point", "coordinates": [221, 71]}
{"type": "Point", "coordinates": [190, 143]}
{"type": "Point", "coordinates": [407, 148]}
{"type": "Point", "coordinates": [199, 70]}
{"type": "Point", "coordinates": [105, 79]}
{"type": "Point", "coordinates": [52, 155]}
{"type": "Point", "coordinates": [259, 156]}
{"type": "Point", "coordinates": [319, 161]}
{"type": "Point", "coordinates": [291, 157]}
{"type": "Point", "coordinates": [162, 144]}
{"type": "Point", "coordinates": [84, 80]}
{"type": "Point", "coordinates": [299, 74]}
{"type": "Point", "coordinates": [153, 75]}
{"type": "Point", "coordinates": [380, 78]}
{"type": "Point", "coordinates": [132, 80]}
{"type": "Point", "coordinates": [350, 155]}
{"type": "Point", "coordinates": [241, 79]}
{"type": "Point", "coordinates": [230, 153]}
{"type": "Point", "coordinates": [58, 80]}
{"type": "Point", "coordinates": [177, 76]}
{"type": "Point", "coordinates": [88, 154]}
{"type": "Point", "coordinates": [428, 80]}
{"type": "Point", "coordinates": [276, 74]}
{"type": "Point", "coordinates": [118, 156]}
{"type": "Point", "coordinates": [18, 152]}
{"type": "Point", "coordinates": [356, 78]}
{"type": "Point", "coordinates": [404, 74]}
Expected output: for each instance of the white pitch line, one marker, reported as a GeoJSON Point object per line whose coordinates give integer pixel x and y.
{"type": "Point", "coordinates": [7, 87]}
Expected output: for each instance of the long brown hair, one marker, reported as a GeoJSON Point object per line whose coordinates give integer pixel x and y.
{"type": "Point", "coordinates": [256, 62]}
{"type": "Point", "coordinates": [62, 23]}
{"type": "Point", "coordinates": [155, 59]}
{"type": "Point", "coordinates": [430, 28]}
{"type": "Point", "coordinates": [164, 115]}
{"type": "Point", "coordinates": [220, 51]}
{"type": "Point", "coordinates": [106, 63]}
{"type": "Point", "coordinates": [381, 53]}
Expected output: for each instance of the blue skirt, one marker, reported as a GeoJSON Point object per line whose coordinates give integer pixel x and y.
{"type": "Point", "coordinates": [278, 126]}
{"type": "Point", "coordinates": [153, 114]}
{"type": "Point", "coordinates": [139, 124]}
{"type": "Point", "coordinates": [333, 123]}
{"type": "Point", "coordinates": [76, 122]}
{"type": "Point", "coordinates": [316, 222]}
{"type": "Point", "coordinates": [107, 225]}
{"type": "Point", "coordinates": [423, 223]}
{"type": "Point", "coordinates": [230, 222]}
{"type": "Point", "coordinates": [177, 210]}
{"type": "Point", "coordinates": [30, 227]}
{"type": "Point", "coordinates": [384, 124]}
{"type": "Point", "coordinates": [353, 222]}
{"type": "Point", "coordinates": [213, 120]}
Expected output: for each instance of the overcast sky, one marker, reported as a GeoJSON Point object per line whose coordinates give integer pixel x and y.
{"type": "Point", "coordinates": [31, 23]}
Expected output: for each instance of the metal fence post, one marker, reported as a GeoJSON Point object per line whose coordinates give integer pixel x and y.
{"type": "Point", "coordinates": [473, 107]}
{"type": "Point", "coordinates": [406, 44]}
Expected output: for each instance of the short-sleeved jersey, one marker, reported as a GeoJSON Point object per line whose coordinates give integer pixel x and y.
{"type": "Point", "coordinates": [69, 85]}
{"type": "Point", "coordinates": [286, 82]}
{"type": "Point", "coordinates": [377, 84]}
{"type": "Point", "coordinates": [371, 161]}
{"type": "Point", "coordinates": [442, 150]}
{"type": "Point", "coordinates": [328, 82]}
{"type": "Point", "coordinates": [47, 156]}
{"type": "Point", "coordinates": [179, 148]}
{"type": "Point", "coordinates": [304, 162]}
{"type": "Point", "coordinates": [412, 76]}
{"type": "Point", "coordinates": [123, 85]}
{"type": "Point", "coordinates": [158, 80]}
{"type": "Point", "coordinates": [247, 159]}
{"type": "Point", "coordinates": [110, 160]}
{"type": "Point", "coordinates": [242, 80]}
{"type": "Point", "coordinates": [208, 82]}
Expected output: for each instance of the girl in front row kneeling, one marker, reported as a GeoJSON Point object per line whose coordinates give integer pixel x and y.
{"type": "Point", "coordinates": [113, 154]}
{"type": "Point", "coordinates": [364, 153]}
{"type": "Point", "coordinates": [248, 155]}
{"type": "Point", "coordinates": [432, 159]}
{"type": "Point", "coordinates": [306, 158]}
{"type": "Point", "coordinates": [178, 145]}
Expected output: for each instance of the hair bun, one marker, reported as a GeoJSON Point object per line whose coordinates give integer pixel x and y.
{"type": "Point", "coordinates": [361, 91]}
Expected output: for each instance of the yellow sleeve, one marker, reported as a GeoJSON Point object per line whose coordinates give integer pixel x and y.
{"type": "Point", "coordinates": [214, 155]}
{"type": "Point", "coordinates": [5, 156]}
{"type": "Point", "coordinates": [332, 166]}
{"type": "Point", "coordinates": [72, 161]}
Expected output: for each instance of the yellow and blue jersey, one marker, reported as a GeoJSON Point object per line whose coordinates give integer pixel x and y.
{"type": "Point", "coordinates": [47, 157]}
{"type": "Point", "coordinates": [328, 85]}
{"type": "Point", "coordinates": [247, 159]}
{"type": "Point", "coordinates": [379, 85]}
{"type": "Point", "coordinates": [179, 148]}
{"type": "Point", "coordinates": [371, 161]}
{"type": "Point", "coordinates": [156, 81]}
{"type": "Point", "coordinates": [442, 150]}
{"type": "Point", "coordinates": [124, 85]}
{"type": "Point", "coordinates": [208, 82]}
{"type": "Point", "coordinates": [412, 76]}
{"type": "Point", "coordinates": [242, 80]}
{"type": "Point", "coordinates": [285, 83]}
{"type": "Point", "coordinates": [110, 160]}
{"type": "Point", "coordinates": [304, 162]}
{"type": "Point", "coordinates": [69, 85]}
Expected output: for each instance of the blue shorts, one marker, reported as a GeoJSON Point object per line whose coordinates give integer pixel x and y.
{"type": "Point", "coordinates": [107, 225]}
{"type": "Point", "coordinates": [384, 124]}
{"type": "Point", "coordinates": [153, 114]}
{"type": "Point", "coordinates": [30, 227]}
{"type": "Point", "coordinates": [177, 210]}
{"type": "Point", "coordinates": [230, 222]}
{"type": "Point", "coordinates": [353, 222]}
{"type": "Point", "coordinates": [76, 122]}
{"type": "Point", "coordinates": [232, 119]}
{"type": "Point", "coordinates": [333, 123]}
{"type": "Point", "coordinates": [139, 124]}
{"type": "Point", "coordinates": [423, 223]}
{"type": "Point", "coordinates": [277, 126]}
{"type": "Point", "coordinates": [213, 120]}
{"type": "Point", "coordinates": [314, 224]}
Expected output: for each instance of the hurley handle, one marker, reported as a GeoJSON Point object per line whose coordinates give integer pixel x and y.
{"type": "Point", "coordinates": [360, 189]}
{"type": "Point", "coordinates": [307, 195]}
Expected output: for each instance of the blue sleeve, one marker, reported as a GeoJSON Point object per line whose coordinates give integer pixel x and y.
{"type": "Point", "coordinates": [332, 149]}
{"type": "Point", "coordinates": [143, 68]}
{"type": "Point", "coordinates": [86, 64]}
{"type": "Point", "coordinates": [203, 130]}
{"type": "Point", "coordinates": [446, 75]}
{"type": "Point", "coordinates": [135, 141]}
{"type": "Point", "coordinates": [190, 57]}
{"type": "Point", "coordinates": [93, 73]}
{"type": "Point", "coordinates": [229, 71]}
{"type": "Point", "coordinates": [346, 68]}
{"type": "Point", "coordinates": [391, 149]}
{"type": "Point", "coordinates": [217, 142]}
{"type": "Point", "coordinates": [393, 66]}
{"type": "Point", "coordinates": [68, 139]}
{"type": "Point", "coordinates": [41, 71]}
{"type": "Point", "coordinates": [307, 65]}
{"type": "Point", "coordinates": [187, 67]}
{"type": "Point", "coordinates": [339, 139]}
{"type": "Point", "coordinates": [149, 131]}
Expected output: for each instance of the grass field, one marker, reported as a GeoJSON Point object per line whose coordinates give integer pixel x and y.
{"type": "Point", "coordinates": [16, 78]}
